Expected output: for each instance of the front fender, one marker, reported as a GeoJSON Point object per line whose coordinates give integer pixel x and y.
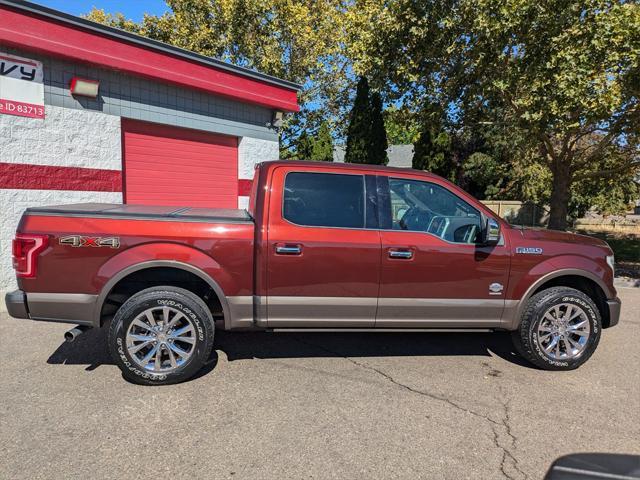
{"type": "Point", "coordinates": [598, 271]}
{"type": "Point", "coordinates": [549, 269]}
{"type": "Point", "coordinates": [161, 255]}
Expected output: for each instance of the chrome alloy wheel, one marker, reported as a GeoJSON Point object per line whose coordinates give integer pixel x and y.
{"type": "Point", "coordinates": [161, 339]}
{"type": "Point", "coordinates": [564, 331]}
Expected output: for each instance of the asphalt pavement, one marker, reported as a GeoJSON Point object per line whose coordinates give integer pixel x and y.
{"type": "Point", "coordinates": [314, 406]}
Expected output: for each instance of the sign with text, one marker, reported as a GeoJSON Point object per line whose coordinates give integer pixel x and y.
{"type": "Point", "coordinates": [21, 86]}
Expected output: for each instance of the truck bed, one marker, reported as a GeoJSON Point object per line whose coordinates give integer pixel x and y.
{"type": "Point", "coordinates": [144, 212]}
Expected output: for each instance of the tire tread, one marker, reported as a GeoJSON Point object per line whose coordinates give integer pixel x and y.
{"type": "Point", "coordinates": [185, 296]}
{"type": "Point", "coordinates": [521, 337]}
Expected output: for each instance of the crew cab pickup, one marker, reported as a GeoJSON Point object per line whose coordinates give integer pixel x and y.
{"type": "Point", "coordinates": [321, 246]}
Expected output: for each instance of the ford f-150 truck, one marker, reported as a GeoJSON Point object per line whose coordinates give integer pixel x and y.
{"type": "Point", "coordinates": [321, 246]}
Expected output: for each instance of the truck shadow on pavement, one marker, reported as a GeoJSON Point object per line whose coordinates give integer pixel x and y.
{"type": "Point", "coordinates": [91, 348]}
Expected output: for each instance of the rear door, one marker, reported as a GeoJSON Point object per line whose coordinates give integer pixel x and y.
{"type": "Point", "coordinates": [434, 274]}
{"type": "Point", "coordinates": [323, 260]}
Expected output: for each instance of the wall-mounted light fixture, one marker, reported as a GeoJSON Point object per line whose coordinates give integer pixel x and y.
{"type": "Point", "coordinates": [277, 119]}
{"type": "Point", "coordinates": [84, 87]}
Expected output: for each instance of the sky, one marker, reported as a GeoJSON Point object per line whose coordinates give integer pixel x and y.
{"type": "Point", "coordinates": [133, 9]}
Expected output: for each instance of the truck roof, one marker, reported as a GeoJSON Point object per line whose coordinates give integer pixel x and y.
{"type": "Point", "coordinates": [346, 166]}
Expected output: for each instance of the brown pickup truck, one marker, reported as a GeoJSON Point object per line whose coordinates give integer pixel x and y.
{"type": "Point", "coordinates": [322, 246]}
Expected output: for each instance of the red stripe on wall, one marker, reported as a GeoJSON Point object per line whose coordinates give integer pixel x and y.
{"type": "Point", "coordinates": [43, 177]}
{"type": "Point", "coordinates": [244, 188]}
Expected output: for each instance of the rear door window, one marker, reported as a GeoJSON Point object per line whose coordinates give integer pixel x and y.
{"type": "Point", "coordinates": [324, 200]}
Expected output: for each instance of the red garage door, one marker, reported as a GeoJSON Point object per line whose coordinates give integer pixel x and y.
{"type": "Point", "coordinates": [174, 166]}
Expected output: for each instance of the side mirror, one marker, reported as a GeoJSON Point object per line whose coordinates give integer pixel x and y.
{"type": "Point", "coordinates": [586, 466]}
{"type": "Point", "coordinates": [491, 232]}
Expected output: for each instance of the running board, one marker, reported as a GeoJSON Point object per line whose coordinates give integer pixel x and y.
{"type": "Point", "coordinates": [383, 330]}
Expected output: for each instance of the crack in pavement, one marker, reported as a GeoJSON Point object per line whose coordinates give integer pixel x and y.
{"type": "Point", "coordinates": [507, 453]}
{"type": "Point", "coordinates": [504, 422]}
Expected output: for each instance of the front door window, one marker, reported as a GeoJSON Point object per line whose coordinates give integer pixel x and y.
{"type": "Point", "coordinates": [426, 207]}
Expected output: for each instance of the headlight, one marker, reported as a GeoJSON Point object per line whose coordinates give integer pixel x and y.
{"type": "Point", "coordinates": [612, 263]}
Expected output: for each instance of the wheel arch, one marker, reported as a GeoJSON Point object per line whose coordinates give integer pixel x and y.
{"type": "Point", "coordinates": [582, 280]}
{"type": "Point", "coordinates": [151, 264]}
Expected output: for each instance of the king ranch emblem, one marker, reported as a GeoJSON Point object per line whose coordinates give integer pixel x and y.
{"type": "Point", "coordinates": [82, 241]}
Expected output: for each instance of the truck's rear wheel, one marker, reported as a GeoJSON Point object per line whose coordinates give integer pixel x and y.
{"type": "Point", "coordinates": [559, 330]}
{"type": "Point", "coordinates": [161, 335]}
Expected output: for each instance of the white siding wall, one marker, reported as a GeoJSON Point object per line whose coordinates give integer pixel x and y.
{"type": "Point", "coordinates": [250, 152]}
{"type": "Point", "coordinates": [65, 138]}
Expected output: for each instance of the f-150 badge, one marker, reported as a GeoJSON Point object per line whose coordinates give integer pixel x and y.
{"type": "Point", "coordinates": [81, 241]}
{"type": "Point", "coordinates": [529, 250]}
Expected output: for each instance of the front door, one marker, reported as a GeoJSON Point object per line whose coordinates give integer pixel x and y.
{"type": "Point", "coordinates": [434, 274]}
{"type": "Point", "coordinates": [323, 260]}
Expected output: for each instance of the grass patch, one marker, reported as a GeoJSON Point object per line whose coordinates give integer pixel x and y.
{"type": "Point", "coordinates": [626, 248]}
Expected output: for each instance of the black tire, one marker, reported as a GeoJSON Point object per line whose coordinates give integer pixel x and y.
{"type": "Point", "coordinates": [178, 299]}
{"type": "Point", "coordinates": [525, 339]}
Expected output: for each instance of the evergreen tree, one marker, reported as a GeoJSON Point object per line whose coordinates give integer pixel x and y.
{"type": "Point", "coordinates": [378, 145]}
{"type": "Point", "coordinates": [303, 147]}
{"type": "Point", "coordinates": [359, 132]}
{"type": "Point", "coordinates": [423, 148]}
{"type": "Point", "coordinates": [322, 145]}
{"type": "Point", "coordinates": [433, 153]}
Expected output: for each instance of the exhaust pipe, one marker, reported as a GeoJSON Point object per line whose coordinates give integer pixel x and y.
{"type": "Point", "coordinates": [74, 333]}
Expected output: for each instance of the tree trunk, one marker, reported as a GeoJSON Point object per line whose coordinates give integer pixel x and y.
{"type": "Point", "coordinates": [560, 197]}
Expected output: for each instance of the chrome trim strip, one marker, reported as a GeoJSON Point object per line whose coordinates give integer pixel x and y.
{"type": "Point", "coordinates": [285, 311]}
{"type": "Point", "coordinates": [439, 312]}
{"type": "Point", "coordinates": [382, 330]}
{"type": "Point", "coordinates": [62, 307]}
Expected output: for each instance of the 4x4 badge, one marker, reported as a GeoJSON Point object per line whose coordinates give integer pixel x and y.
{"type": "Point", "coordinates": [81, 241]}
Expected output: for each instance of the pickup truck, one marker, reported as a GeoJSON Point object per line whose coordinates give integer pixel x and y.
{"type": "Point", "coordinates": [322, 246]}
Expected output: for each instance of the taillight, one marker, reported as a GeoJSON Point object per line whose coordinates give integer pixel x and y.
{"type": "Point", "coordinates": [26, 248]}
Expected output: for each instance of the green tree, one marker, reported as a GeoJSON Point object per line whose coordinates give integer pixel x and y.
{"type": "Point", "coordinates": [298, 41]}
{"type": "Point", "coordinates": [359, 132]}
{"type": "Point", "coordinates": [304, 147]}
{"type": "Point", "coordinates": [400, 125]}
{"type": "Point", "coordinates": [378, 146]}
{"type": "Point", "coordinates": [552, 74]}
{"type": "Point", "coordinates": [322, 144]}
{"type": "Point", "coordinates": [432, 152]}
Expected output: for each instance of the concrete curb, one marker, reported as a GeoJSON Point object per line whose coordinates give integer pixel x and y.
{"type": "Point", "coordinates": [3, 306]}
{"type": "Point", "coordinates": [621, 282]}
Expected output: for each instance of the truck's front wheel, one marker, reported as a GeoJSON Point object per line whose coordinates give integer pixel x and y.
{"type": "Point", "coordinates": [559, 330]}
{"type": "Point", "coordinates": [161, 335]}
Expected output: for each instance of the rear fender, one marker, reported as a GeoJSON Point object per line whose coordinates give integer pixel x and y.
{"type": "Point", "coordinates": [161, 255]}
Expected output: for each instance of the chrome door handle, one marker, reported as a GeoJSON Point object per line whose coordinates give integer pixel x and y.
{"type": "Point", "coordinates": [406, 254]}
{"type": "Point", "coordinates": [289, 249]}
